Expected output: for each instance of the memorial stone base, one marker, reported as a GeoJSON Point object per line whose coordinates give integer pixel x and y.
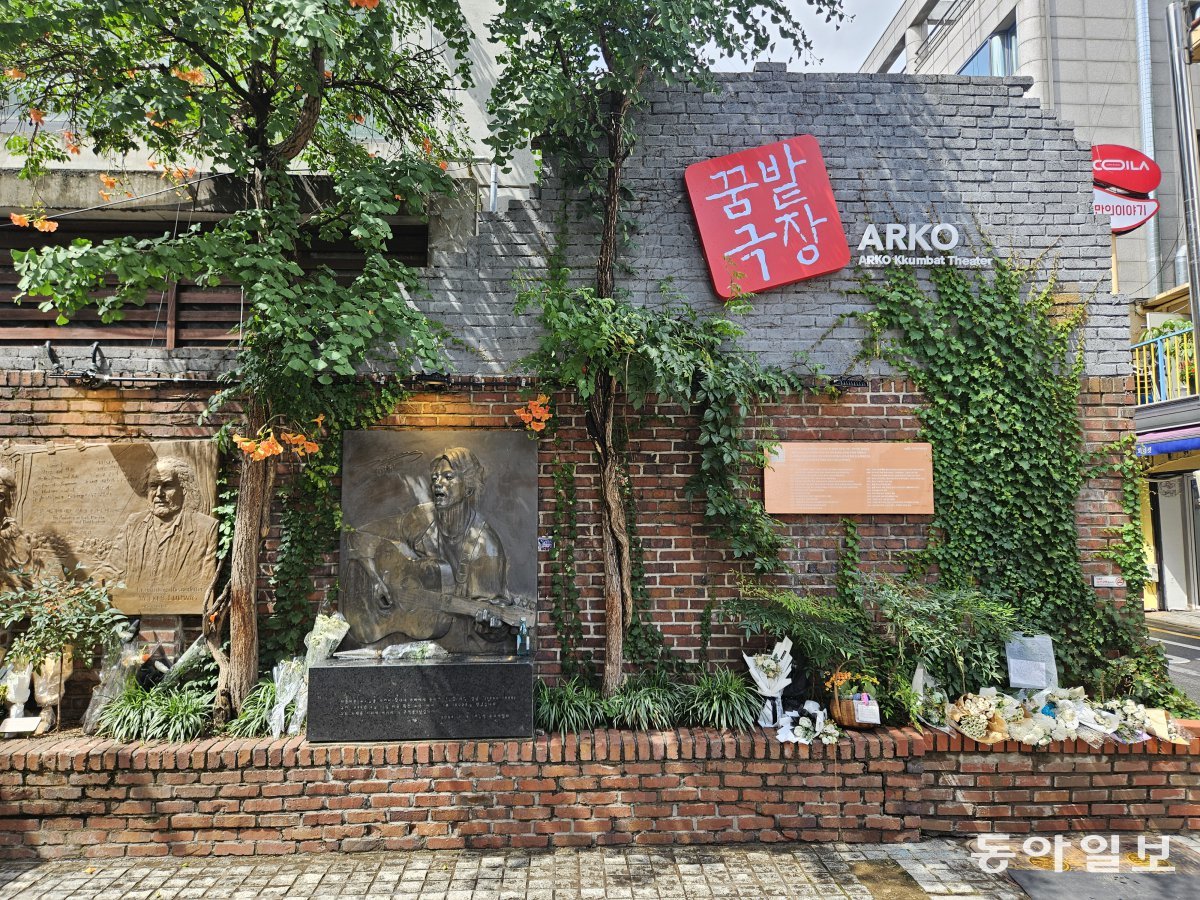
{"type": "Point", "coordinates": [460, 697]}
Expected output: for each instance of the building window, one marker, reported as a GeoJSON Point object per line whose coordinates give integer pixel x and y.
{"type": "Point", "coordinates": [997, 56]}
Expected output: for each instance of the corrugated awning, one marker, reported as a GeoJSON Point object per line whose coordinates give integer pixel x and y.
{"type": "Point", "coordinates": [1174, 440]}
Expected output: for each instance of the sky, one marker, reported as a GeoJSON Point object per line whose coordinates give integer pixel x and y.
{"type": "Point", "coordinates": [844, 49]}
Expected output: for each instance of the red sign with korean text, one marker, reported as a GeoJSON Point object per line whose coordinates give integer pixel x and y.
{"type": "Point", "coordinates": [1124, 168]}
{"type": "Point", "coordinates": [767, 216]}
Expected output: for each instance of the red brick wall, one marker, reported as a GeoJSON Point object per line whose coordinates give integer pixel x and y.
{"type": "Point", "coordinates": [1004, 789]}
{"type": "Point", "coordinates": [685, 570]}
{"type": "Point", "coordinates": [94, 798]}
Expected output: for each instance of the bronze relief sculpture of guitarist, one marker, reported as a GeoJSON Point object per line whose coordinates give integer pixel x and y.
{"type": "Point", "coordinates": [435, 572]}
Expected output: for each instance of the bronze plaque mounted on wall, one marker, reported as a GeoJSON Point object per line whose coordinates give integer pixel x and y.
{"type": "Point", "coordinates": [440, 539]}
{"type": "Point", "coordinates": [836, 478]}
{"type": "Point", "coordinates": [135, 515]}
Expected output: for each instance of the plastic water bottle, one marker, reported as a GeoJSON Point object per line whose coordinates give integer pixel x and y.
{"type": "Point", "coordinates": [523, 639]}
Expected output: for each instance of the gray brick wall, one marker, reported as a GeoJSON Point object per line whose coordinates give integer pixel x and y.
{"type": "Point", "coordinates": [974, 153]}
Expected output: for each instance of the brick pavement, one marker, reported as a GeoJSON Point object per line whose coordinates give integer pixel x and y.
{"type": "Point", "coordinates": [896, 872]}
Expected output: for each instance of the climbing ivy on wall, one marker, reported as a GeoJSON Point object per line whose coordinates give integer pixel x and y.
{"type": "Point", "coordinates": [565, 611]}
{"type": "Point", "coordinates": [1128, 551]}
{"type": "Point", "coordinates": [1001, 380]}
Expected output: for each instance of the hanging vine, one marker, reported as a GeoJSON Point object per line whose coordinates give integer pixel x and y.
{"type": "Point", "coordinates": [565, 611]}
{"type": "Point", "coordinates": [1128, 551]}
{"type": "Point", "coordinates": [311, 512]}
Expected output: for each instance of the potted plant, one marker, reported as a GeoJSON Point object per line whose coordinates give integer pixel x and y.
{"type": "Point", "coordinates": [60, 620]}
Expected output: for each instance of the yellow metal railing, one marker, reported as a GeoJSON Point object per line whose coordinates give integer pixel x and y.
{"type": "Point", "coordinates": [1165, 366]}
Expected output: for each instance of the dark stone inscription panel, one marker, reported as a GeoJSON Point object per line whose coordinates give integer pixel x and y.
{"type": "Point", "coordinates": [461, 697]}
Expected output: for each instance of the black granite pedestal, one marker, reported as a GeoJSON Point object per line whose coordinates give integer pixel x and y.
{"type": "Point", "coordinates": [451, 698]}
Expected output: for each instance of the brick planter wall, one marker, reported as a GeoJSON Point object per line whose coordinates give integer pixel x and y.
{"type": "Point", "coordinates": [94, 798]}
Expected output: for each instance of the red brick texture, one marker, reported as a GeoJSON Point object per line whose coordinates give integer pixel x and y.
{"type": "Point", "coordinates": [685, 569]}
{"type": "Point", "coordinates": [93, 798]}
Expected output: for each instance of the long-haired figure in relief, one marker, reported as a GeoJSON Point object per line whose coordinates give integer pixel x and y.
{"type": "Point", "coordinates": [435, 572]}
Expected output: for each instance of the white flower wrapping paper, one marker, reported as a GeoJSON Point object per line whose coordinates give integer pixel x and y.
{"type": "Point", "coordinates": [771, 686]}
{"type": "Point", "coordinates": [811, 725]}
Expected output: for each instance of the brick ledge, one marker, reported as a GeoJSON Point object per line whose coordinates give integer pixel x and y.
{"type": "Point", "coordinates": [99, 754]}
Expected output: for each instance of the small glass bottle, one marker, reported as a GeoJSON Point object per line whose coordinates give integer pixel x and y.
{"type": "Point", "coordinates": [523, 638]}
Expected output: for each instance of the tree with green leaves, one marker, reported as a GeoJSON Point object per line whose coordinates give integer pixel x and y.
{"type": "Point", "coordinates": [328, 118]}
{"type": "Point", "coordinates": [574, 82]}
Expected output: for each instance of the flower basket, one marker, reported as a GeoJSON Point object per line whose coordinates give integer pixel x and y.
{"type": "Point", "coordinates": [841, 707]}
{"type": "Point", "coordinates": [843, 713]}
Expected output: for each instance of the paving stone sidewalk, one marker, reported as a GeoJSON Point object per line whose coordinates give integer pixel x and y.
{"type": "Point", "coordinates": [937, 868]}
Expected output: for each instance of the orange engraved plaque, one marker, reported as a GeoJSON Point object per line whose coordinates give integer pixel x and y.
{"type": "Point", "coordinates": [833, 478]}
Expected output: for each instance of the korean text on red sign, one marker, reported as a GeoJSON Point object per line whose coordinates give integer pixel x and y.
{"type": "Point", "coordinates": [767, 216]}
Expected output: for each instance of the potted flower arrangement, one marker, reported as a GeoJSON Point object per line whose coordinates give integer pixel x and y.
{"type": "Point", "coordinates": [845, 690]}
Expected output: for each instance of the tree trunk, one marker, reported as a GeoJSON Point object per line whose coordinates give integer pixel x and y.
{"type": "Point", "coordinates": [254, 498]}
{"type": "Point", "coordinates": [618, 585]}
{"type": "Point", "coordinates": [606, 259]}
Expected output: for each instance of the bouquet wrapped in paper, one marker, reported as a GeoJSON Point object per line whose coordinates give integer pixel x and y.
{"type": "Point", "coordinates": [771, 673]}
{"type": "Point", "coordinates": [932, 702]}
{"type": "Point", "coordinates": [1033, 731]}
{"type": "Point", "coordinates": [976, 717]}
{"type": "Point", "coordinates": [1009, 708]}
{"type": "Point", "coordinates": [1121, 720]}
{"type": "Point", "coordinates": [1053, 714]}
{"type": "Point", "coordinates": [1160, 724]}
{"type": "Point", "coordinates": [808, 726]}
{"type": "Point", "coordinates": [327, 632]}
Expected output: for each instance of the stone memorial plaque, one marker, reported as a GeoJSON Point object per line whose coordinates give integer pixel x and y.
{"type": "Point", "coordinates": [440, 539]}
{"type": "Point", "coordinates": [1031, 662]}
{"type": "Point", "coordinates": [409, 700]}
{"type": "Point", "coordinates": [133, 515]}
{"type": "Point", "coordinates": [838, 478]}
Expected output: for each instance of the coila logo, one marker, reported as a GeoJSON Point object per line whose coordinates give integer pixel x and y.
{"type": "Point", "coordinates": [1124, 169]}
{"type": "Point", "coordinates": [1121, 165]}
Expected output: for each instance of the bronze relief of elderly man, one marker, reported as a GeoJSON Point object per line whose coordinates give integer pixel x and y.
{"type": "Point", "coordinates": [15, 545]}
{"type": "Point", "coordinates": [435, 572]}
{"type": "Point", "coordinates": [168, 547]}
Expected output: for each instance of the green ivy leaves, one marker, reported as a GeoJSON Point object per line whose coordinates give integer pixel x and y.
{"type": "Point", "coordinates": [1001, 382]}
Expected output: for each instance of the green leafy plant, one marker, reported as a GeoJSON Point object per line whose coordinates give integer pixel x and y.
{"type": "Point", "coordinates": [257, 92]}
{"type": "Point", "coordinates": [311, 514]}
{"type": "Point", "coordinates": [721, 699]}
{"type": "Point", "coordinates": [958, 634]}
{"type": "Point", "coordinates": [58, 613]}
{"type": "Point", "coordinates": [599, 348]}
{"type": "Point", "coordinates": [572, 79]}
{"type": "Point", "coordinates": [824, 630]}
{"type": "Point", "coordinates": [252, 720]}
{"type": "Point", "coordinates": [1128, 551]}
{"type": "Point", "coordinates": [1146, 677]}
{"type": "Point", "coordinates": [178, 713]}
{"type": "Point", "coordinates": [125, 717]}
{"type": "Point", "coordinates": [645, 645]}
{"type": "Point", "coordinates": [570, 707]}
{"type": "Point", "coordinates": [565, 609]}
{"type": "Point", "coordinates": [1000, 378]}
{"type": "Point", "coordinates": [646, 702]}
